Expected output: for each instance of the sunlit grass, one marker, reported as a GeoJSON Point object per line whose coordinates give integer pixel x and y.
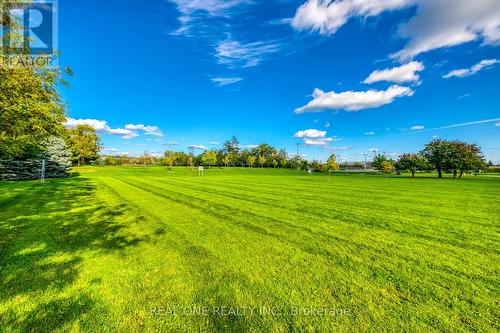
{"type": "Point", "coordinates": [117, 248]}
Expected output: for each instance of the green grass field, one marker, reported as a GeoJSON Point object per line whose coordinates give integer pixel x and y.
{"type": "Point", "coordinates": [141, 249]}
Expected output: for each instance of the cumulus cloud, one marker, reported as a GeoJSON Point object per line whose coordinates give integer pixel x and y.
{"type": "Point", "coordinates": [353, 100]}
{"type": "Point", "coordinates": [317, 142]}
{"type": "Point", "coordinates": [447, 23]}
{"type": "Point", "coordinates": [327, 16]}
{"type": "Point", "coordinates": [369, 133]}
{"type": "Point", "coordinates": [235, 54]}
{"type": "Point", "coordinates": [404, 73]}
{"type": "Point", "coordinates": [436, 24]}
{"type": "Point", "coordinates": [417, 127]}
{"type": "Point", "coordinates": [463, 72]}
{"type": "Point", "coordinates": [314, 137]}
{"type": "Point", "coordinates": [148, 130]}
{"type": "Point", "coordinates": [101, 126]}
{"type": "Point", "coordinates": [310, 133]}
{"type": "Point", "coordinates": [224, 81]}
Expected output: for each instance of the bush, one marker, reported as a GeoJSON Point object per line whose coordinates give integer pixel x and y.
{"type": "Point", "coordinates": [57, 163]}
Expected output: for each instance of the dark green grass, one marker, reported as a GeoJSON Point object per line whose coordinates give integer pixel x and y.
{"type": "Point", "coordinates": [115, 248]}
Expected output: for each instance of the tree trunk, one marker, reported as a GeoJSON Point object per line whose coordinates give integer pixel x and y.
{"type": "Point", "coordinates": [461, 173]}
{"type": "Point", "coordinates": [440, 173]}
{"type": "Point", "coordinates": [413, 174]}
{"type": "Point", "coordinates": [455, 173]}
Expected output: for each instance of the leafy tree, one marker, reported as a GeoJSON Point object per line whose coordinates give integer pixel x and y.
{"type": "Point", "coordinates": [262, 160]}
{"type": "Point", "coordinates": [282, 157]}
{"type": "Point", "coordinates": [85, 143]}
{"type": "Point", "coordinates": [31, 109]}
{"type": "Point", "coordinates": [58, 157]}
{"type": "Point", "coordinates": [226, 160]}
{"type": "Point", "coordinates": [377, 161]}
{"type": "Point", "coordinates": [232, 146]}
{"type": "Point", "coordinates": [412, 163]}
{"type": "Point", "coordinates": [251, 160]}
{"type": "Point", "coordinates": [275, 163]}
{"type": "Point", "coordinates": [190, 161]}
{"type": "Point", "coordinates": [331, 163]}
{"type": "Point", "coordinates": [442, 155]}
{"type": "Point", "coordinates": [470, 157]}
{"type": "Point", "coordinates": [386, 167]}
{"type": "Point", "coordinates": [209, 158]}
{"type": "Point", "coordinates": [169, 157]}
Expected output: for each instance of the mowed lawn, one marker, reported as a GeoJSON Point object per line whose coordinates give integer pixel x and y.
{"type": "Point", "coordinates": [123, 249]}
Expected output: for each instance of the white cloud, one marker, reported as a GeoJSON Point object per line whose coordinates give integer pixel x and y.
{"type": "Point", "coordinates": [417, 127]}
{"type": "Point", "coordinates": [338, 148]}
{"type": "Point", "coordinates": [101, 126]}
{"type": "Point", "coordinates": [248, 146]}
{"type": "Point", "coordinates": [215, 143]}
{"type": "Point", "coordinates": [369, 133]}
{"type": "Point", "coordinates": [234, 54]}
{"type": "Point", "coordinates": [148, 130]}
{"type": "Point", "coordinates": [327, 16]}
{"type": "Point", "coordinates": [327, 125]}
{"type": "Point", "coordinates": [170, 143]}
{"type": "Point", "coordinates": [447, 23]}
{"type": "Point", "coordinates": [317, 142]}
{"type": "Point", "coordinates": [224, 81]}
{"type": "Point", "coordinates": [353, 100]}
{"type": "Point", "coordinates": [373, 150]}
{"type": "Point", "coordinates": [310, 133]}
{"type": "Point", "coordinates": [463, 72]}
{"type": "Point", "coordinates": [194, 12]}
{"type": "Point", "coordinates": [197, 147]}
{"type": "Point", "coordinates": [436, 24]}
{"type": "Point", "coordinates": [404, 73]}
{"type": "Point", "coordinates": [497, 125]}
{"type": "Point", "coordinates": [314, 137]}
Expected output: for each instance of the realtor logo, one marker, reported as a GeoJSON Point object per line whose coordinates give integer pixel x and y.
{"type": "Point", "coordinates": [29, 26]}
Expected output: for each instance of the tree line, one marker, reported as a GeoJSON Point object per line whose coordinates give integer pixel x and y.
{"type": "Point", "coordinates": [230, 155]}
{"type": "Point", "coordinates": [441, 156]}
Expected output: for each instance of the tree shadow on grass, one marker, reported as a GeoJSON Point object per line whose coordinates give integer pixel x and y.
{"type": "Point", "coordinates": [44, 232]}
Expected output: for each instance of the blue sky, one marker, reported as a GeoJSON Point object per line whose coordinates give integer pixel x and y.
{"type": "Point", "coordinates": [348, 77]}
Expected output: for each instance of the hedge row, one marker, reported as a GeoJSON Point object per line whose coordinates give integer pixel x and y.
{"type": "Point", "coordinates": [30, 170]}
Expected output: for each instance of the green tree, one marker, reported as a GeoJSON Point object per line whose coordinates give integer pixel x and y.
{"type": "Point", "coordinates": [209, 158]}
{"type": "Point", "coordinates": [85, 143]}
{"type": "Point", "coordinates": [58, 157]}
{"type": "Point", "coordinates": [377, 161]}
{"type": "Point", "coordinates": [438, 152]}
{"type": "Point", "coordinates": [470, 157]}
{"type": "Point", "coordinates": [412, 163]}
{"type": "Point", "coordinates": [251, 160]}
{"type": "Point", "coordinates": [231, 146]}
{"type": "Point", "coordinates": [331, 163]}
{"type": "Point", "coordinates": [275, 163]}
{"type": "Point", "coordinates": [226, 160]}
{"type": "Point", "coordinates": [31, 109]}
{"type": "Point", "coordinates": [386, 167]}
{"type": "Point", "coordinates": [262, 160]}
{"type": "Point", "coordinates": [169, 158]}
